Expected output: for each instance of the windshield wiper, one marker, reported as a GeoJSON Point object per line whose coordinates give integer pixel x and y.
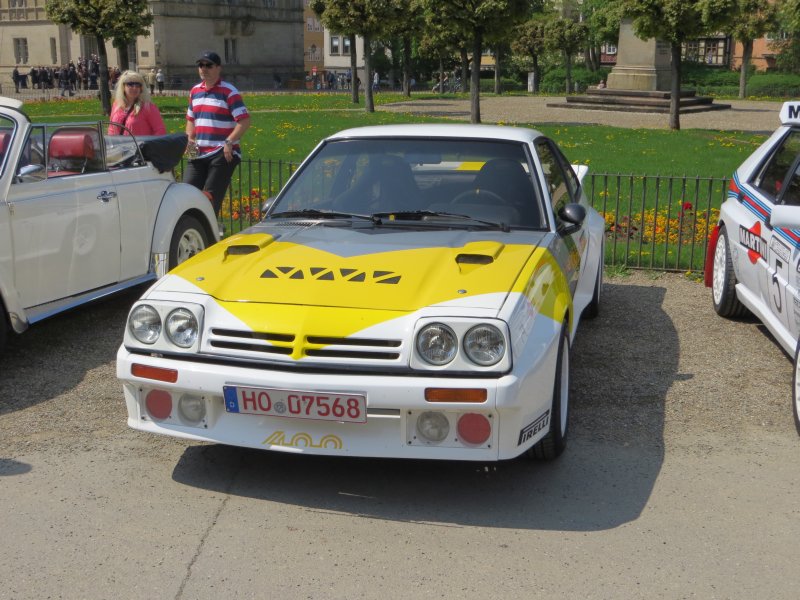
{"type": "Point", "coordinates": [314, 213]}
{"type": "Point", "coordinates": [419, 214]}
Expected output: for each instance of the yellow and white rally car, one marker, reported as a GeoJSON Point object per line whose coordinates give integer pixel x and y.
{"type": "Point", "coordinates": [412, 292]}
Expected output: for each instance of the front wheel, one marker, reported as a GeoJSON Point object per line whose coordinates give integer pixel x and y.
{"type": "Point", "coordinates": [796, 390]}
{"type": "Point", "coordinates": [723, 284]}
{"type": "Point", "coordinates": [188, 238]}
{"type": "Point", "coordinates": [553, 444]}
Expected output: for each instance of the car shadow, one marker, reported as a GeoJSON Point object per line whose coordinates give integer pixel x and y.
{"type": "Point", "coordinates": [623, 363]}
{"type": "Point", "coordinates": [54, 355]}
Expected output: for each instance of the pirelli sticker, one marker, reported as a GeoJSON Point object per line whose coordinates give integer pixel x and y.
{"type": "Point", "coordinates": [532, 429]}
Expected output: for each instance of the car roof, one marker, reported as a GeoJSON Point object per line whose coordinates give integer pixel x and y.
{"type": "Point", "coordinates": [10, 102]}
{"type": "Point", "coordinates": [438, 130]}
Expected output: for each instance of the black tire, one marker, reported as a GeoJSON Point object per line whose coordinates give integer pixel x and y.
{"type": "Point", "coordinates": [795, 391]}
{"type": "Point", "coordinates": [553, 444]}
{"type": "Point", "coordinates": [3, 327]}
{"type": "Point", "coordinates": [592, 309]}
{"type": "Point", "coordinates": [188, 238]}
{"type": "Point", "coordinates": [723, 283]}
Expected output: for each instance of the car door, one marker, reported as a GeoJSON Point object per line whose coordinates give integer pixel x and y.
{"type": "Point", "coordinates": [776, 182]}
{"type": "Point", "coordinates": [64, 221]}
{"type": "Point", "coordinates": [563, 188]}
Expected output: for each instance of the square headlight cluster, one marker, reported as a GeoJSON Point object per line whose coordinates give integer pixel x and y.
{"type": "Point", "coordinates": [159, 326]}
{"type": "Point", "coordinates": [458, 344]}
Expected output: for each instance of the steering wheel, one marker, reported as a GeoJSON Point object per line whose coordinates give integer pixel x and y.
{"type": "Point", "coordinates": [478, 196]}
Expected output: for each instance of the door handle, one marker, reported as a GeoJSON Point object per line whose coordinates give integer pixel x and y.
{"type": "Point", "coordinates": [105, 195]}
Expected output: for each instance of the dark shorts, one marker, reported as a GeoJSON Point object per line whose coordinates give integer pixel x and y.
{"type": "Point", "coordinates": [213, 175]}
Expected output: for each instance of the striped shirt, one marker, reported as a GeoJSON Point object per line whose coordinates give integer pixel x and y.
{"type": "Point", "coordinates": [214, 112]}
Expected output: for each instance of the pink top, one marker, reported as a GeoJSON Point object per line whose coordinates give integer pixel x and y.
{"type": "Point", "coordinates": [147, 122]}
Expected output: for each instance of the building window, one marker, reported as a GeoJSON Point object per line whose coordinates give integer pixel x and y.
{"type": "Point", "coordinates": [18, 3]}
{"type": "Point", "coordinates": [21, 50]}
{"type": "Point", "coordinates": [309, 24]}
{"type": "Point", "coordinates": [231, 54]}
{"type": "Point", "coordinates": [53, 51]}
{"type": "Point", "coordinates": [317, 25]}
{"type": "Point", "coordinates": [608, 49]}
{"type": "Point", "coordinates": [346, 46]}
{"type": "Point", "coordinates": [335, 45]}
{"type": "Point", "coordinates": [711, 51]}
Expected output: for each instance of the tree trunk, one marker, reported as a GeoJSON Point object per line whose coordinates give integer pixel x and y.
{"type": "Point", "coordinates": [353, 69]}
{"type": "Point", "coordinates": [675, 87]}
{"type": "Point", "coordinates": [497, 88]}
{"type": "Point", "coordinates": [568, 67]}
{"type": "Point", "coordinates": [464, 69]}
{"type": "Point", "coordinates": [441, 74]}
{"type": "Point", "coordinates": [475, 83]}
{"type": "Point", "coordinates": [369, 103]}
{"type": "Point", "coordinates": [122, 54]}
{"type": "Point", "coordinates": [407, 65]}
{"type": "Point", "coordinates": [536, 74]}
{"type": "Point", "coordinates": [747, 54]}
{"type": "Point", "coordinates": [105, 94]}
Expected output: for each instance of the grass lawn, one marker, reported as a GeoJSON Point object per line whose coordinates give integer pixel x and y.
{"type": "Point", "coordinates": [288, 126]}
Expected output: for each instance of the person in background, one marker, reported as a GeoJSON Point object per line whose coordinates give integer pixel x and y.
{"type": "Point", "coordinates": [602, 84]}
{"type": "Point", "coordinates": [15, 78]}
{"type": "Point", "coordinates": [133, 112]}
{"type": "Point", "coordinates": [215, 122]}
{"type": "Point", "coordinates": [160, 81]}
{"type": "Point", "coordinates": [151, 81]}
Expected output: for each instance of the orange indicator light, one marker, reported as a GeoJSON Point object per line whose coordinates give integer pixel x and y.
{"type": "Point", "coordinates": [455, 395]}
{"type": "Point", "coordinates": [157, 373]}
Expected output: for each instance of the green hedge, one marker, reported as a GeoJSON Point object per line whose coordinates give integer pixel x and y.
{"type": "Point", "coordinates": [554, 80]}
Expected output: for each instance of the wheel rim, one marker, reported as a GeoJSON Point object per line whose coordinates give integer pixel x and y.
{"type": "Point", "coordinates": [720, 264]}
{"type": "Point", "coordinates": [564, 391]}
{"type": "Point", "coordinates": [191, 243]}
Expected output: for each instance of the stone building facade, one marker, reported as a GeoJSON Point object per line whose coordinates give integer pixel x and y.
{"type": "Point", "coordinates": [260, 41]}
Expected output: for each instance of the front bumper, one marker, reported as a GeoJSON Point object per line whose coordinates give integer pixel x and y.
{"type": "Point", "coordinates": [513, 403]}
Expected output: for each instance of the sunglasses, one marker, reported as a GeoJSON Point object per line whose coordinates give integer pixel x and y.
{"type": "Point", "coordinates": [133, 84]}
{"type": "Point", "coordinates": [205, 65]}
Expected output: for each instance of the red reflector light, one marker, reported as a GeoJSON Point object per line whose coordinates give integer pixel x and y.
{"type": "Point", "coordinates": [474, 428]}
{"type": "Point", "coordinates": [157, 373]}
{"type": "Point", "coordinates": [159, 404]}
{"type": "Point", "coordinates": [455, 395]}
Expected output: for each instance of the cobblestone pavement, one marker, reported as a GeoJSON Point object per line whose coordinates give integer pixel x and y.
{"type": "Point", "coordinates": [744, 115]}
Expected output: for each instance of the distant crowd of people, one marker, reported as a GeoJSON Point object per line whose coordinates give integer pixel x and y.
{"type": "Point", "coordinates": [73, 76]}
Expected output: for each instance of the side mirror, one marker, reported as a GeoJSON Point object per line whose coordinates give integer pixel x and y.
{"type": "Point", "coordinates": [31, 173]}
{"type": "Point", "coordinates": [572, 217]}
{"type": "Point", "coordinates": [785, 217]}
{"type": "Point", "coordinates": [266, 204]}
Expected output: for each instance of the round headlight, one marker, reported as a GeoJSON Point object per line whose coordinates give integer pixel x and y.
{"type": "Point", "coordinates": [145, 324]}
{"type": "Point", "coordinates": [437, 344]}
{"type": "Point", "coordinates": [433, 426]}
{"type": "Point", "coordinates": [192, 408]}
{"type": "Point", "coordinates": [484, 345]}
{"type": "Point", "coordinates": [181, 327]}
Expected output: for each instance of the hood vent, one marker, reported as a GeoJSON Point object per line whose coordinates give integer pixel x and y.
{"type": "Point", "coordinates": [474, 259]}
{"type": "Point", "coordinates": [328, 274]}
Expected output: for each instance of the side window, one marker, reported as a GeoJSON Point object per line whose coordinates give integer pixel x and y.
{"type": "Point", "coordinates": [32, 165]}
{"type": "Point", "coordinates": [559, 185]}
{"type": "Point", "coordinates": [772, 176]}
{"type": "Point", "coordinates": [6, 133]}
{"type": "Point", "coordinates": [791, 194]}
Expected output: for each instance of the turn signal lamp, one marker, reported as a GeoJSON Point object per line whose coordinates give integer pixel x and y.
{"type": "Point", "coordinates": [157, 373]}
{"type": "Point", "coordinates": [475, 395]}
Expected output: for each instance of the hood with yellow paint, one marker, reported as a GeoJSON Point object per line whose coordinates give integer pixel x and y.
{"type": "Point", "coordinates": [366, 268]}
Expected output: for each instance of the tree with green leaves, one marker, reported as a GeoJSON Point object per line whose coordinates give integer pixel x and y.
{"type": "Point", "coordinates": [567, 36]}
{"type": "Point", "coordinates": [366, 18]}
{"type": "Point", "coordinates": [675, 22]}
{"type": "Point", "coordinates": [752, 19]}
{"type": "Point", "coordinates": [103, 20]}
{"type": "Point", "coordinates": [602, 18]}
{"type": "Point", "coordinates": [481, 19]}
{"type": "Point", "coordinates": [788, 47]}
{"type": "Point", "coordinates": [530, 42]}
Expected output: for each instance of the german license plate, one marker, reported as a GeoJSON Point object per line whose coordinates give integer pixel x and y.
{"type": "Point", "coordinates": [296, 404]}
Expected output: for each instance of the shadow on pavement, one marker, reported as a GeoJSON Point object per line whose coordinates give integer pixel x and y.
{"type": "Point", "coordinates": [623, 364]}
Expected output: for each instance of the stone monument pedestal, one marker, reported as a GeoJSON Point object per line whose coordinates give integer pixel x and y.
{"type": "Point", "coordinates": [642, 65]}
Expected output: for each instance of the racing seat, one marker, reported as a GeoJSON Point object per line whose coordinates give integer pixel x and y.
{"type": "Point", "coordinates": [508, 179]}
{"type": "Point", "coordinates": [72, 151]}
{"type": "Point", "coordinates": [386, 185]}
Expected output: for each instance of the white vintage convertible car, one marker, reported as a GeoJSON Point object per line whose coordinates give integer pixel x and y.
{"type": "Point", "coordinates": [83, 215]}
{"type": "Point", "coordinates": [413, 292]}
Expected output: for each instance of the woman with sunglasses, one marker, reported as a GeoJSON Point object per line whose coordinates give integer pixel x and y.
{"type": "Point", "coordinates": [133, 112]}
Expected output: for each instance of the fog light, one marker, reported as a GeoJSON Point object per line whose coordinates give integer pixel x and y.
{"type": "Point", "coordinates": [433, 426]}
{"type": "Point", "coordinates": [159, 404]}
{"type": "Point", "coordinates": [192, 408]}
{"type": "Point", "coordinates": [473, 428]}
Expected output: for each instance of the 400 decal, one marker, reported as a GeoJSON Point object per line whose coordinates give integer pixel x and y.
{"type": "Point", "coordinates": [304, 440]}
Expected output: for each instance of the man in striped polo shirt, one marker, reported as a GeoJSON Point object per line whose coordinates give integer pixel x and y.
{"type": "Point", "coordinates": [215, 122]}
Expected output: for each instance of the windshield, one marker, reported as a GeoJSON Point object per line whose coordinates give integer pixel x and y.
{"type": "Point", "coordinates": [416, 179]}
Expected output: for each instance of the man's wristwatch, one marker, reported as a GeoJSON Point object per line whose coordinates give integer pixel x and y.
{"type": "Point", "coordinates": [229, 142]}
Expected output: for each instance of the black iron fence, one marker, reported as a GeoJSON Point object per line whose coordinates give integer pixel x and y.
{"type": "Point", "coordinates": [652, 221]}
